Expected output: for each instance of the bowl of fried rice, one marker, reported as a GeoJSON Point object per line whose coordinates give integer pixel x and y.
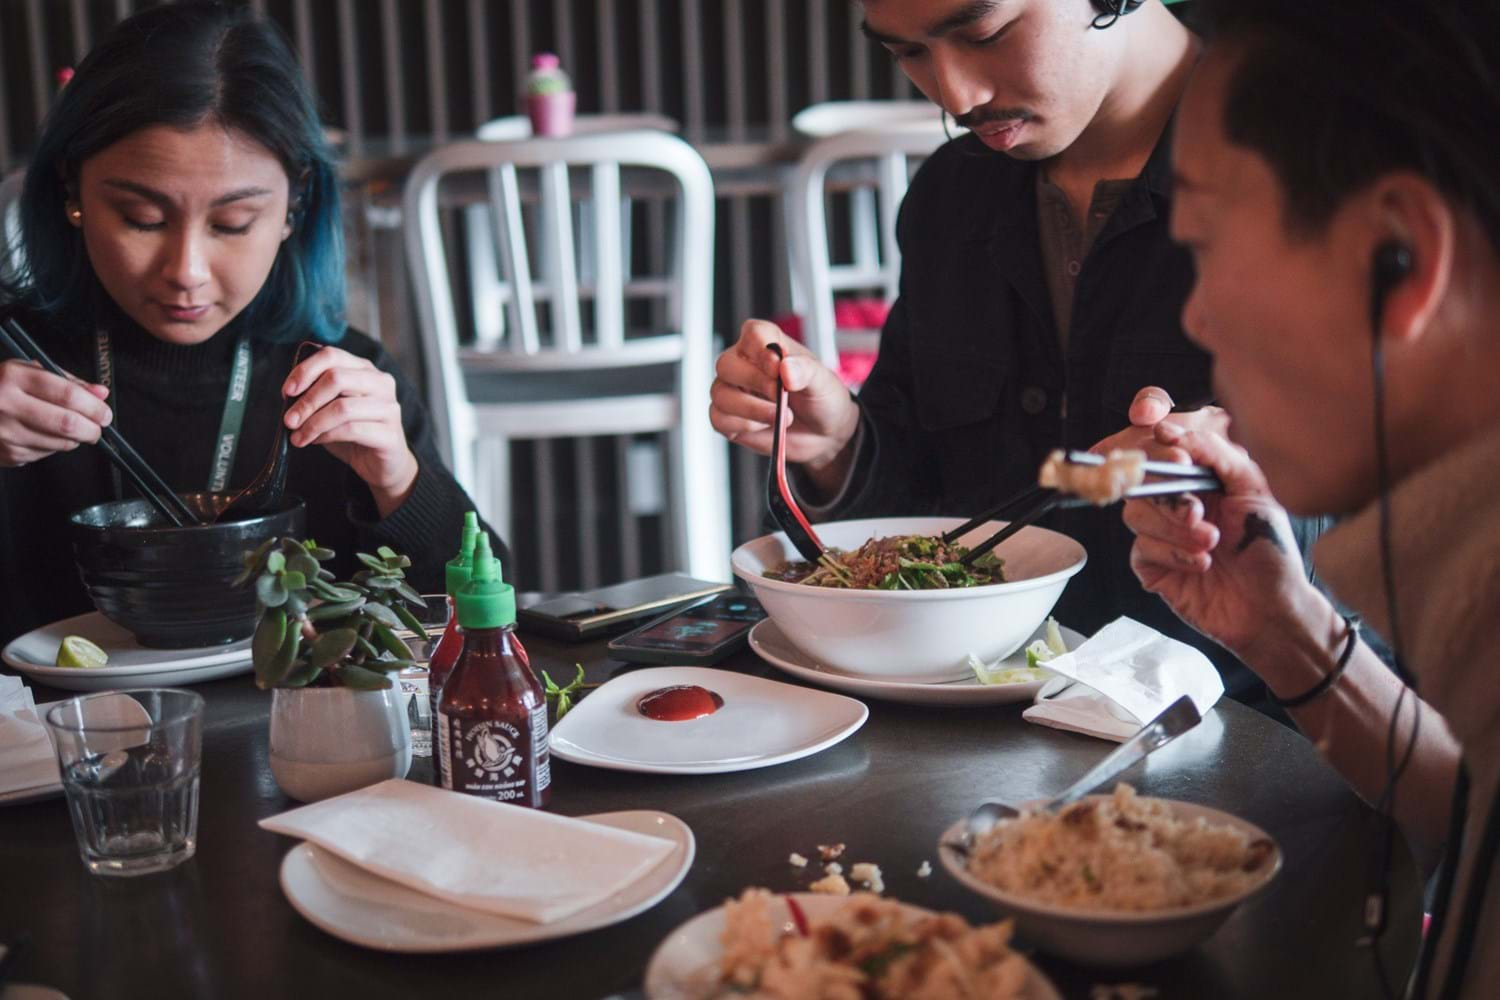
{"type": "Point", "coordinates": [1116, 879]}
{"type": "Point", "coordinates": [892, 602]}
{"type": "Point", "coordinates": [764, 946]}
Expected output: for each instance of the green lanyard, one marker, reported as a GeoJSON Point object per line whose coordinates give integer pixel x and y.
{"type": "Point", "coordinates": [233, 418]}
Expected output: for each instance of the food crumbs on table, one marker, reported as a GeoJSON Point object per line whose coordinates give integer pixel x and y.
{"type": "Point", "coordinates": [830, 852]}
{"type": "Point", "coordinates": [796, 860]}
{"type": "Point", "coordinates": [832, 885]}
{"type": "Point", "coordinates": [1122, 991]}
{"type": "Point", "coordinates": [834, 868]}
{"type": "Point", "coordinates": [870, 875]}
{"type": "Point", "coordinates": [925, 870]}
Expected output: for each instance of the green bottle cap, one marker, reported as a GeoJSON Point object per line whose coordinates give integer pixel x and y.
{"type": "Point", "coordinates": [462, 565]}
{"type": "Point", "coordinates": [486, 601]}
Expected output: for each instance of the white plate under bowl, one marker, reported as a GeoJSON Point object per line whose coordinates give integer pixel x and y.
{"type": "Point", "coordinates": [365, 909]}
{"type": "Point", "coordinates": [685, 964]}
{"type": "Point", "coordinates": [1109, 937]}
{"type": "Point", "coordinates": [763, 722]}
{"type": "Point", "coordinates": [130, 664]}
{"type": "Point", "coordinates": [770, 645]}
{"type": "Point", "coordinates": [912, 636]}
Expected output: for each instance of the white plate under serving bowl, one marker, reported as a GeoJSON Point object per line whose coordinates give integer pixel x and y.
{"type": "Point", "coordinates": [365, 909]}
{"type": "Point", "coordinates": [685, 964]}
{"type": "Point", "coordinates": [130, 664]}
{"type": "Point", "coordinates": [763, 722]}
{"type": "Point", "coordinates": [912, 636]}
{"type": "Point", "coordinates": [773, 647]}
{"type": "Point", "coordinates": [1111, 937]}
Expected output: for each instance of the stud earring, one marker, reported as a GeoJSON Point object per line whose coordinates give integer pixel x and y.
{"type": "Point", "coordinates": [75, 214]}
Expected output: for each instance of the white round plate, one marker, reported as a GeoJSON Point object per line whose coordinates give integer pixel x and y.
{"type": "Point", "coordinates": [130, 664]}
{"type": "Point", "coordinates": [776, 649]}
{"type": "Point", "coordinates": [763, 722]}
{"type": "Point", "coordinates": [365, 909]}
{"type": "Point", "coordinates": [685, 964]}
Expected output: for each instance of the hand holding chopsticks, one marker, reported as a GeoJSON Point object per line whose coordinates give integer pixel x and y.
{"type": "Point", "coordinates": [1084, 479]}
{"type": "Point", "coordinates": [19, 344]}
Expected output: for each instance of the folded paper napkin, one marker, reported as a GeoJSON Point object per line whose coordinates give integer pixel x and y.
{"type": "Point", "coordinates": [26, 757]}
{"type": "Point", "coordinates": [502, 859]}
{"type": "Point", "coordinates": [1122, 678]}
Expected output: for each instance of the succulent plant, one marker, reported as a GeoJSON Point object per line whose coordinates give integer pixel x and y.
{"type": "Point", "coordinates": [316, 630]}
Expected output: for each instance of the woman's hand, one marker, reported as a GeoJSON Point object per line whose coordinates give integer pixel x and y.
{"type": "Point", "coordinates": [349, 406]}
{"type": "Point", "coordinates": [823, 418]}
{"type": "Point", "coordinates": [42, 414]}
{"type": "Point", "coordinates": [1226, 563]}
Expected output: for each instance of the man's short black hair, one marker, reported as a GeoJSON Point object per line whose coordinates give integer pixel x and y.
{"type": "Point", "coordinates": [1336, 95]}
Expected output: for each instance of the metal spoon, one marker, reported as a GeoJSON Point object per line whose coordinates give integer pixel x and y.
{"type": "Point", "coordinates": [1178, 718]}
{"type": "Point", "coordinates": [266, 489]}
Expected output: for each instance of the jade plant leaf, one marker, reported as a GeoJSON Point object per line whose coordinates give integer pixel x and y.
{"type": "Point", "coordinates": [360, 679]}
{"type": "Point", "coordinates": [331, 647]}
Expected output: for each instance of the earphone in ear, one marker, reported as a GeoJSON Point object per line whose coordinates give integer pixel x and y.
{"type": "Point", "coordinates": [1393, 262]}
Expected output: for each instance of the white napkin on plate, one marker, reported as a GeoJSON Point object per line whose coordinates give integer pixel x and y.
{"type": "Point", "coordinates": [1122, 678]}
{"type": "Point", "coordinates": [26, 757]}
{"type": "Point", "coordinates": [490, 856]}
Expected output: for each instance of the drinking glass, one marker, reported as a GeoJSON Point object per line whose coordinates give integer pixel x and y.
{"type": "Point", "coordinates": [129, 762]}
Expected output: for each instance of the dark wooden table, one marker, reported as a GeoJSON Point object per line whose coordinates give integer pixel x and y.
{"type": "Point", "coordinates": [218, 926]}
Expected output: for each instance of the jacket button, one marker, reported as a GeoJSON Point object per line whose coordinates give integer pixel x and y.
{"type": "Point", "coordinates": [1033, 399]}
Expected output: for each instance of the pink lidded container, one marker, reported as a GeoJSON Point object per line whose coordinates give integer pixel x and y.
{"type": "Point", "coordinates": [550, 99]}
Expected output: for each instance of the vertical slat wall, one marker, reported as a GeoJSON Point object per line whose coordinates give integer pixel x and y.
{"type": "Point", "coordinates": [392, 74]}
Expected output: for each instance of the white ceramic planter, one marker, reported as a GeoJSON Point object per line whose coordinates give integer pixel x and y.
{"type": "Point", "coordinates": [327, 741]}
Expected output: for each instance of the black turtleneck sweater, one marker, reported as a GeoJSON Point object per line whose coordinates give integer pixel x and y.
{"type": "Point", "coordinates": [167, 402]}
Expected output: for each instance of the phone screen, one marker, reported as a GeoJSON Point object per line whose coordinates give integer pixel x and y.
{"type": "Point", "coordinates": [702, 627]}
{"type": "Point", "coordinates": [570, 608]}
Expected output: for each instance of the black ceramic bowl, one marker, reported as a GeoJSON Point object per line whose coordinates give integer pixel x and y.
{"type": "Point", "coordinates": [170, 586]}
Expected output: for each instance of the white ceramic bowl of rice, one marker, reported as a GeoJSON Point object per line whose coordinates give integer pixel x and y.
{"type": "Point", "coordinates": [1113, 896]}
{"type": "Point", "coordinates": [912, 635]}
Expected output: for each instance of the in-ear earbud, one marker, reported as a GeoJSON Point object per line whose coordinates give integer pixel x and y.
{"type": "Point", "coordinates": [1393, 262]}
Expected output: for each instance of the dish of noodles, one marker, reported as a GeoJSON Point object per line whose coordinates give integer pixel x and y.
{"type": "Point", "coordinates": [898, 562]}
{"type": "Point", "coordinates": [1121, 853]}
{"type": "Point", "coordinates": [806, 947]}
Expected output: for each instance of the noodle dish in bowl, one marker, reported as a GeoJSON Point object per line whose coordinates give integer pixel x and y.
{"type": "Point", "coordinates": [892, 602]}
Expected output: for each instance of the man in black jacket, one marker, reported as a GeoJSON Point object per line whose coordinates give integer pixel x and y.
{"type": "Point", "coordinates": [1040, 291]}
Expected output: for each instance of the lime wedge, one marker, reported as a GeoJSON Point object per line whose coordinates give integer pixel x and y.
{"type": "Point", "coordinates": [76, 651]}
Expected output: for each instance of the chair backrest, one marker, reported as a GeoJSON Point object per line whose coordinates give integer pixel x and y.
{"type": "Point", "coordinates": [504, 170]}
{"type": "Point", "coordinates": [513, 127]}
{"type": "Point", "coordinates": [818, 121]}
{"type": "Point", "coordinates": [889, 150]}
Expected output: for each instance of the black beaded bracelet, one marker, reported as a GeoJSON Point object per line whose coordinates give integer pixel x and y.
{"type": "Point", "coordinates": [1322, 687]}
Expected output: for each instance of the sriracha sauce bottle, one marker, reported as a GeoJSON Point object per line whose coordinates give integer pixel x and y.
{"type": "Point", "coordinates": [445, 655]}
{"type": "Point", "coordinates": [492, 717]}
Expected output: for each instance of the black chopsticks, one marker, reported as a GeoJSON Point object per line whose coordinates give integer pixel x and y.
{"type": "Point", "coordinates": [1039, 501]}
{"type": "Point", "coordinates": [19, 343]}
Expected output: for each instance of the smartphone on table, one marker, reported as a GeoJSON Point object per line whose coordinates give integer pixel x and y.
{"type": "Point", "coordinates": [701, 633]}
{"type": "Point", "coordinates": [589, 613]}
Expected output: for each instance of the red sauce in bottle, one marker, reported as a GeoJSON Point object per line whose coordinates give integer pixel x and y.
{"type": "Point", "coordinates": [680, 703]}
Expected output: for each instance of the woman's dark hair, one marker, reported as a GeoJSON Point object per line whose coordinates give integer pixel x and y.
{"type": "Point", "coordinates": [184, 65]}
{"type": "Point", "coordinates": [1334, 97]}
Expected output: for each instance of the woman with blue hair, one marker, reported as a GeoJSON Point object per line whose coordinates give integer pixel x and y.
{"type": "Point", "coordinates": [180, 235]}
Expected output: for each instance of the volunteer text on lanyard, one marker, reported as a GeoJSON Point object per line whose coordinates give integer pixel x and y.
{"type": "Point", "coordinates": [229, 424]}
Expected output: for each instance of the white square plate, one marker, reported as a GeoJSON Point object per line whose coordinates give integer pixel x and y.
{"type": "Point", "coordinates": [762, 722]}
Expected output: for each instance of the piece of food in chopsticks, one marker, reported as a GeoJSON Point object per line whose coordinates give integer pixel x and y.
{"type": "Point", "coordinates": [869, 947]}
{"type": "Point", "coordinates": [1123, 853]}
{"type": "Point", "coordinates": [1103, 484]}
{"type": "Point", "coordinates": [899, 562]}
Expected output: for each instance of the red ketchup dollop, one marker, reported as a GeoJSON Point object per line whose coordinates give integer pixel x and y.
{"type": "Point", "coordinates": [680, 703]}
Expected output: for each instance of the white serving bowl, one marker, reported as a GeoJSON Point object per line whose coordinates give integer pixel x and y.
{"type": "Point", "coordinates": [912, 635]}
{"type": "Point", "coordinates": [1114, 938]}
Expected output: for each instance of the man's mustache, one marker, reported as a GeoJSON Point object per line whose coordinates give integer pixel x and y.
{"type": "Point", "coordinates": [981, 116]}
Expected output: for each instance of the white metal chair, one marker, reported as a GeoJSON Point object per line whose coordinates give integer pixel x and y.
{"type": "Point", "coordinates": [489, 294]}
{"type": "Point", "coordinates": [872, 143]}
{"type": "Point", "coordinates": [548, 377]}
